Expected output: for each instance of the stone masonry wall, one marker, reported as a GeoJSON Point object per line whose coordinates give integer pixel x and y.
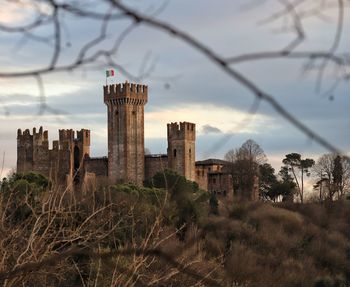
{"type": "Point", "coordinates": [154, 164]}
{"type": "Point", "coordinates": [98, 166]}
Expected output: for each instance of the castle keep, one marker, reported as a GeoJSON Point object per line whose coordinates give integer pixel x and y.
{"type": "Point", "coordinates": [126, 151]}
{"type": "Point", "coordinates": [69, 163]}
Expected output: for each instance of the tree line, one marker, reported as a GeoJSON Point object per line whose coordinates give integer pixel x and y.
{"type": "Point", "coordinates": [253, 177]}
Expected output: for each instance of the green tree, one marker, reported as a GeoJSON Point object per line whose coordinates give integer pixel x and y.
{"type": "Point", "coordinates": [271, 188]}
{"type": "Point", "coordinates": [267, 180]}
{"type": "Point", "coordinates": [296, 164]}
{"type": "Point", "coordinates": [287, 187]}
{"type": "Point", "coordinates": [22, 194]}
{"type": "Point", "coordinates": [185, 195]}
{"type": "Point", "coordinates": [284, 174]}
{"type": "Point", "coordinates": [337, 174]}
{"type": "Point", "coordinates": [280, 188]}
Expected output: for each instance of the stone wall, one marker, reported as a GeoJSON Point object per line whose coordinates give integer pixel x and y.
{"type": "Point", "coordinates": [96, 165]}
{"type": "Point", "coordinates": [95, 171]}
{"type": "Point", "coordinates": [154, 164]}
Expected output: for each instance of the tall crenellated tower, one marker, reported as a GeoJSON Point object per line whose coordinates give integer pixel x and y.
{"type": "Point", "coordinates": [32, 151]}
{"type": "Point", "coordinates": [181, 148]}
{"type": "Point", "coordinates": [126, 154]}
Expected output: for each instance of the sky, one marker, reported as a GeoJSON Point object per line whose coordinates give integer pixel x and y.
{"type": "Point", "coordinates": [183, 84]}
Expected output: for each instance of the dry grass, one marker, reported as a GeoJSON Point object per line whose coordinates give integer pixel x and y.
{"type": "Point", "coordinates": [130, 237]}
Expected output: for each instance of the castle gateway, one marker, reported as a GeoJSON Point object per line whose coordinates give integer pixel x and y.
{"type": "Point", "coordinates": [69, 162]}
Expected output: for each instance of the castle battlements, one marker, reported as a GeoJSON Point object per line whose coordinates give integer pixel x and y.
{"type": "Point", "coordinates": [126, 93]}
{"type": "Point", "coordinates": [25, 138]}
{"type": "Point", "coordinates": [181, 131]}
{"type": "Point", "coordinates": [26, 133]}
{"type": "Point", "coordinates": [66, 138]}
{"type": "Point", "coordinates": [66, 135]}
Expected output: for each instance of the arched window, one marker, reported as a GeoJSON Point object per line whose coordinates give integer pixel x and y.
{"type": "Point", "coordinates": [174, 152]}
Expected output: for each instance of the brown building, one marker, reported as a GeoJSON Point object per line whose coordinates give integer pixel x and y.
{"type": "Point", "coordinates": [210, 176]}
{"type": "Point", "coordinates": [69, 160]}
{"type": "Point", "coordinates": [220, 184]}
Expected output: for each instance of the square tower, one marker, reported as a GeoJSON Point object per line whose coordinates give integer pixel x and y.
{"type": "Point", "coordinates": [33, 151]}
{"type": "Point", "coordinates": [126, 152]}
{"type": "Point", "coordinates": [181, 149]}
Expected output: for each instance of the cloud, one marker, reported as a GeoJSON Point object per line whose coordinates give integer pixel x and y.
{"type": "Point", "coordinates": [228, 119]}
{"type": "Point", "coordinates": [21, 11]}
{"type": "Point", "coordinates": [208, 129]}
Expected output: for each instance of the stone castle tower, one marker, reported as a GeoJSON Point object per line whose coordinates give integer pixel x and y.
{"type": "Point", "coordinates": [61, 162]}
{"type": "Point", "coordinates": [181, 149]}
{"type": "Point", "coordinates": [32, 151]}
{"type": "Point", "coordinates": [126, 154]}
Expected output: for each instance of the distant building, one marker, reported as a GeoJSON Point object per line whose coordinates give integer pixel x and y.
{"type": "Point", "coordinates": [211, 176]}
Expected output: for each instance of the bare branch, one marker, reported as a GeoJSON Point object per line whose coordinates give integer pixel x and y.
{"type": "Point", "coordinates": [221, 62]}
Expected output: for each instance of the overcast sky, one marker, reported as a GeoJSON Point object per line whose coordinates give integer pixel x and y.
{"type": "Point", "coordinates": [183, 84]}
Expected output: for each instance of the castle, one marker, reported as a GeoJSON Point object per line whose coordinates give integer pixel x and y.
{"type": "Point", "coordinates": [69, 162]}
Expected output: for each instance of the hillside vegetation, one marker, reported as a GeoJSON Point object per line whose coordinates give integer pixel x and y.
{"type": "Point", "coordinates": [166, 234]}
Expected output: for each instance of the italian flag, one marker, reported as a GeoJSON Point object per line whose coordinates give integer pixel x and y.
{"type": "Point", "coordinates": [110, 73]}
